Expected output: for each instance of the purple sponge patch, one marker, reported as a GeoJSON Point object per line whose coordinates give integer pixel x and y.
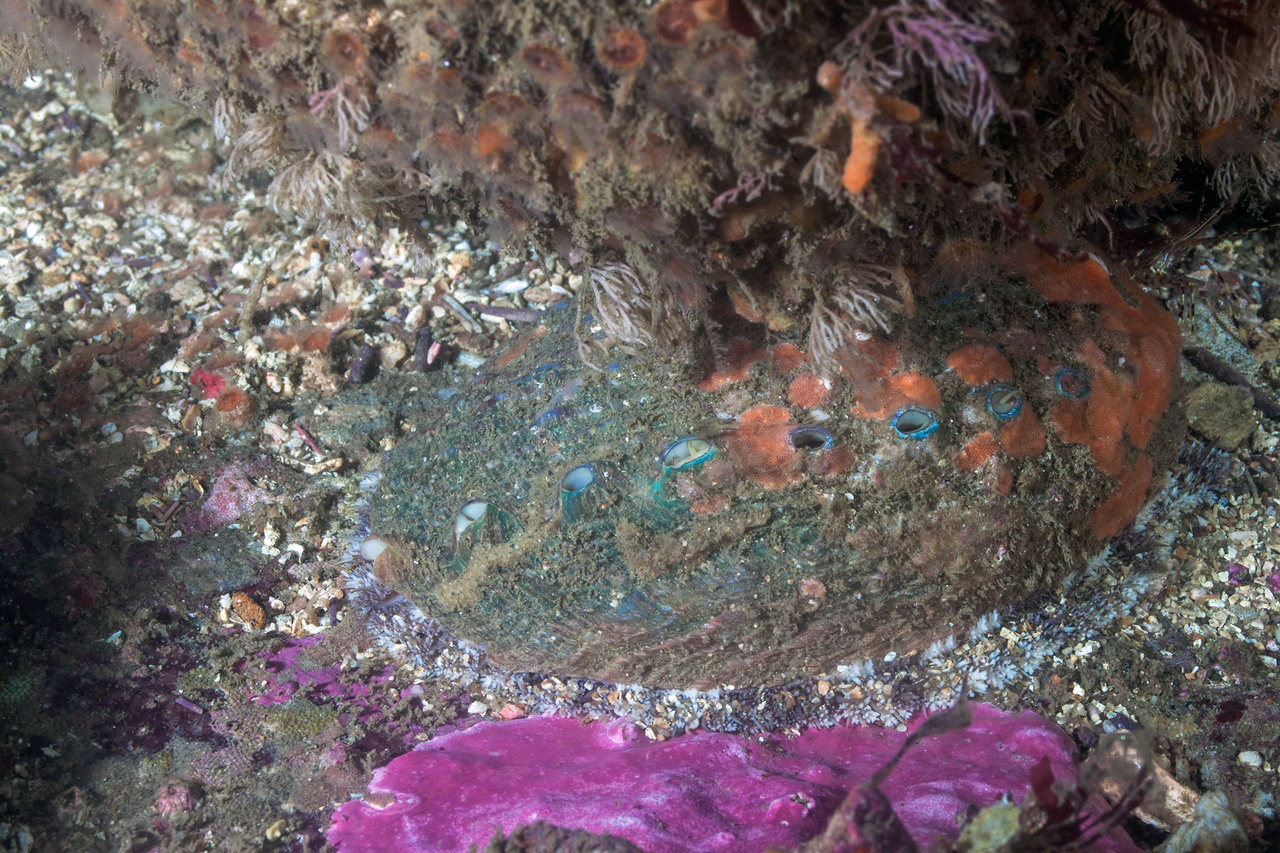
{"type": "Point", "coordinates": [698, 792]}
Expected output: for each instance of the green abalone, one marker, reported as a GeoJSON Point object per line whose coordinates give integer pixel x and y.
{"type": "Point", "coordinates": [752, 522]}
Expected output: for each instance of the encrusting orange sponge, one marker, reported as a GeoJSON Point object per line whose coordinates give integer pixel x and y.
{"type": "Point", "coordinates": [760, 445]}
{"type": "Point", "coordinates": [807, 391]}
{"type": "Point", "coordinates": [1126, 401]}
{"type": "Point", "coordinates": [977, 451]}
{"type": "Point", "coordinates": [1023, 436]}
{"type": "Point", "coordinates": [978, 364]}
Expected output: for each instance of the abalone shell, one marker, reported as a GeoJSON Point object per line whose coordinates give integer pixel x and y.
{"type": "Point", "coordinates": [751, 522]}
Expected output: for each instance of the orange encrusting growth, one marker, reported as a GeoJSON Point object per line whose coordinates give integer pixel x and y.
{"type": "Point", "coordinates": [787, 357]}
{"type": "Point", "coordinates": [1152, 334]}
{"type": "Point", "coordinates": [1023, 436]}
{"type": "Point", "coordinates": [808, 391]}
{"type": "Point", "coordinates": [881, 353]}
{"type": "Point", "coordinates": [1110, 397]}
{"type": "Point", "coordinates": [1154, 350]}
{"type": "Point", "coordinates": [1115, 513]}
{"type": "Point", "coordinates": [978, 364]}
{"type": "Point", "coordinates": [1085, 282]}
{"type": "Point", "coordinates": [977, 451]}
{"type": "Point", "coordinates": [1108, 456]}
{"type": "Point", "coordinates": [1069, 422]}
{"type": "Point", "coordinates": [761, 449]}
{"type": "Point", "coordinates": [878, 392]}
{"type": "Point", "coordinates": [1125, 404]}
{"type": "Point", "coordinates": [893, 393]}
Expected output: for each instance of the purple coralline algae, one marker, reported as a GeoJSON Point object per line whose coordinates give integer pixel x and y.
{"type": "Point", "coordinates": [290, 676]}
{"type": "Point", "coordinates": [702, 791]}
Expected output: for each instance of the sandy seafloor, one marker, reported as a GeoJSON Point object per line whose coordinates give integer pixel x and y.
{"type": "Point", "coordinates": [182, 456]}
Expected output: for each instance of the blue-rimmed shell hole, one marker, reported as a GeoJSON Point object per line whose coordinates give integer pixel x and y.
{"type": "Point", "coordinates": [810, 438]}
{"type": "Point", "coordinates": [914, 423]}
{"type": "Point", "coordinates": [468, 514]}
{"type": "Point", "coordinates": [1071, 383]}
{"type": "Point", "coordinates": [577, 479]}
{"type": "Point", "coordinates": [684, 452]}
{"type": "Point", "coordinates": [1004, 402]}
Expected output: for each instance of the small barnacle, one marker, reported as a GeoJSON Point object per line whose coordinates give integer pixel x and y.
{"type": "Point", "coordinates": [391, 563]}
{"type": "Point", "coordinates": [345, 53]}
{"type": "Point", "coordinates": [481, 522]}
{"type": "Point", "coordinates": [500, 113]}
{"type": "Point", "coordinates": [621, 49]}
{"type": "Point", "coordinates": [675, 22]}
{"type": "Point", "coordinates": [260, 33]}
{"type": "Point", "coordinates": [809, 438]}
{"type": "Point", "coordinates": [578, 119]}
{"type": "Point", "coordinates": [549, 64]}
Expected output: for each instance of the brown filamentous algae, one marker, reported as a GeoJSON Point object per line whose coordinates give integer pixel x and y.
{"type": "Point", "coordinates": [649, 524]}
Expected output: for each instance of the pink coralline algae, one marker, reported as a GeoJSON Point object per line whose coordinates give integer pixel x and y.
{"type": "Point", "coordinates": [230, 497]}
{"type": "Point", "coordinates": [702, 791]}
{"type": "Point", "coordinates": [174, 797]}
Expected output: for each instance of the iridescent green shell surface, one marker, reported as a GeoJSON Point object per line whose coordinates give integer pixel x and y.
{"type": "Point", "coordinates": [648, 523]}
